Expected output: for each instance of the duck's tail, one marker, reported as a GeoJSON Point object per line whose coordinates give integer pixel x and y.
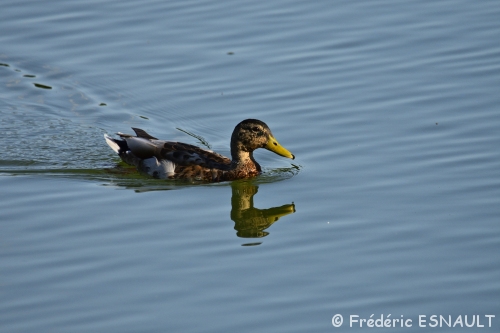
{"type": "Point", "coordinates": [119, 146]}
{"type": "Point", "coordinates": [123, 150]}
{"type": "Point", "coordinates": [157, 168]}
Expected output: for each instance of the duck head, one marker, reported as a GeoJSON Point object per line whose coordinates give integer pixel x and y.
{"type": "Point", "coordinates": [252, 134]}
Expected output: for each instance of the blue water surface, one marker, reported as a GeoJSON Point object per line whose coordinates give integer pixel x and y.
{"type": "Point", "coordinates": [390, 208]}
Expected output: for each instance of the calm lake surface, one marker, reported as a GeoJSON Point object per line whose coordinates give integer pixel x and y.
{"type": "Point", "coordinates": [391, 207]}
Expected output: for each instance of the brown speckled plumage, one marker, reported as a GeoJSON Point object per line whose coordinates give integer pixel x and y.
{"type": "Point", "coordinates": [176, 160]}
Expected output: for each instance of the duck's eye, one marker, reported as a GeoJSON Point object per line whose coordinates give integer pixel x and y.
{"type": "Point", "coordinates": [255, 129]}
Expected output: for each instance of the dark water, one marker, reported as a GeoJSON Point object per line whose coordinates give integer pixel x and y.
{"type": "Point", "coordinates": [391, 207]}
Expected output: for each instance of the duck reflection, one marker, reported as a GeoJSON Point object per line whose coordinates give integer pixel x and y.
{"type": "Point", "coordinates": [250, 222]}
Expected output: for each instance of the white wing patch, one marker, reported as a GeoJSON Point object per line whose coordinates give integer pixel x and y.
{"type": "Point", "coordinates": [159, 169]}
{"type": "Point", "coordinates": [168, 168]}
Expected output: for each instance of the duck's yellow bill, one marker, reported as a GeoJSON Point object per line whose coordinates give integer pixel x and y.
{"type": "Point", "coordinates": [273, 214]}
{"type": "Point", "coordinates": [274, 146]}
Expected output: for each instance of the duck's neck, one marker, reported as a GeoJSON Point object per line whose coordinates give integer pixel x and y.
{"type": "Point", "coordinates": [243, 160]}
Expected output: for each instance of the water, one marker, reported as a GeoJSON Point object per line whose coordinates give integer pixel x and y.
{"type": "Point", "coordinates": [391, 207]}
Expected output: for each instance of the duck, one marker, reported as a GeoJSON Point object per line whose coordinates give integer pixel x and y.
{"type": "Point", "coordinates": [177, 160]}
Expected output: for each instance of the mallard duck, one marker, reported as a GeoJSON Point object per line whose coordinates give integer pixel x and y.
{"type": "Point", "coordinates": [176, 160]}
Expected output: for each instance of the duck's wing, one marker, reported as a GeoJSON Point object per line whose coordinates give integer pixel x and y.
{"type": "Point", "coordinates": [146, 146]}
{"type": "Point", "coordinates": [186, 155]}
